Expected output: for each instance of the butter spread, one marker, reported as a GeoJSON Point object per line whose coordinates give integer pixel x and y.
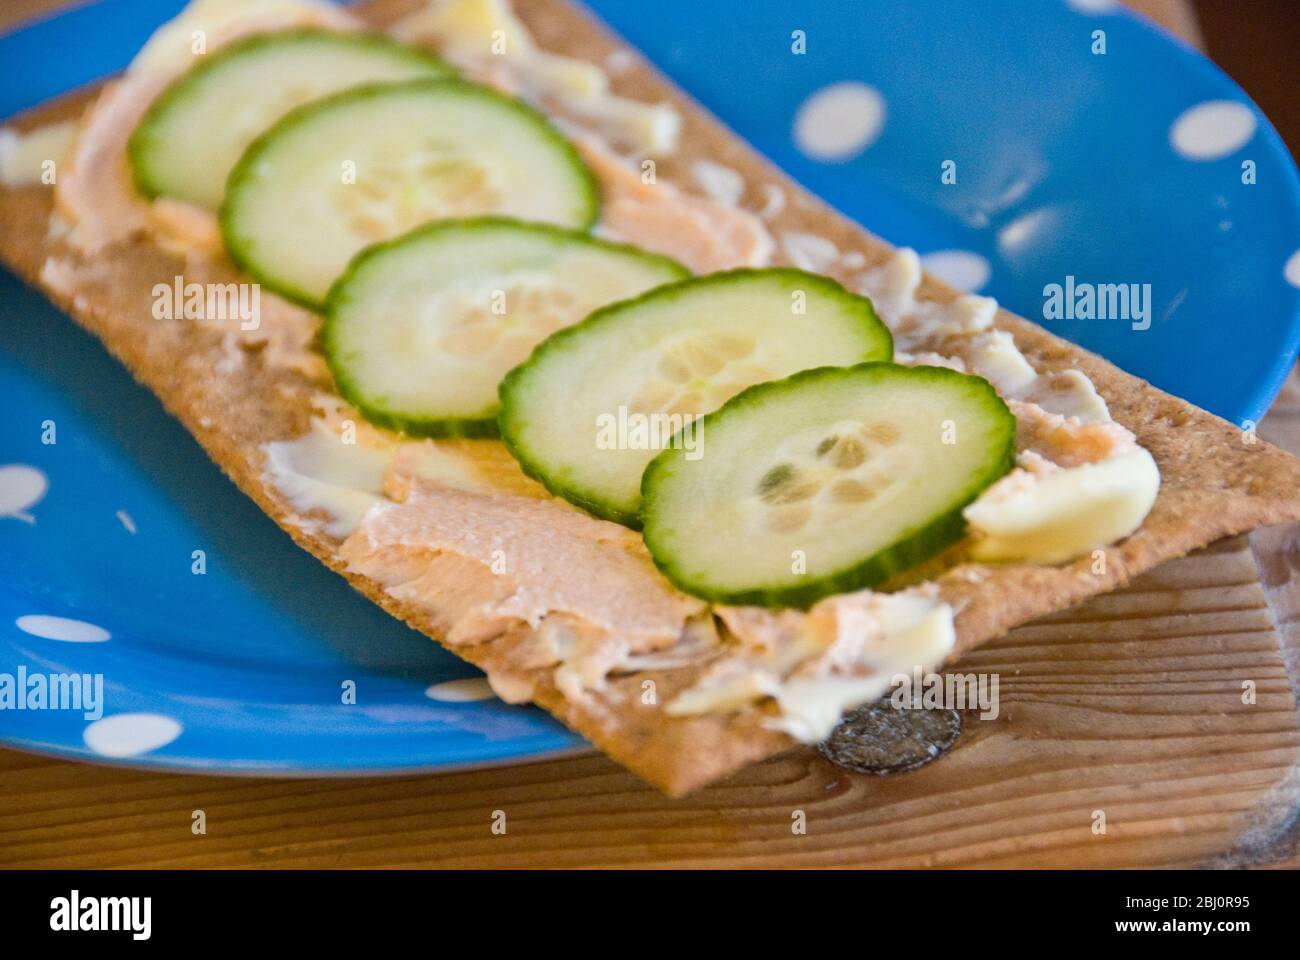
{"type": "Point", "coordinates": [342, 466]}
{"type": "Point", "coordinates": [720, 183]}
{"type": "Point", "coordinates": [1056, 515]}
{"type": "Point", "coordinates": [965, 327]}
{"type": "Point", "coordinates": [319, 474]}
{"type": "Point", "coordinates": [844, 652]}
{"type": "Point", "coordinates": [204, 25]}
{"type": "Point", "coordinates": [488, 41]}
{"type": "Point", "coordinates": [807, 251]}
{"type": "Point", "coordinates": [34, 157]}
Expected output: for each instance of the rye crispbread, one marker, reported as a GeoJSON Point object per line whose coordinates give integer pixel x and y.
{"type": "Point", "coordinates": [1214, 483]}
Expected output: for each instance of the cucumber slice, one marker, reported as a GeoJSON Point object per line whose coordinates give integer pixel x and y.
{"type": "Point", "coordinates": [193, 134]}
{"type": "Point", "coordinates": [372, 163]}
{"type": "Point", "coordinates": [420, 330]}
{"type": "Point", "coordinates": [829, 481]}
{"type": "Point", "coordinates": [595, 402]}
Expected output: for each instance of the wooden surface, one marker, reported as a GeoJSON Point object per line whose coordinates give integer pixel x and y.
{"type": "Point", "coordinates": [1130, 705]}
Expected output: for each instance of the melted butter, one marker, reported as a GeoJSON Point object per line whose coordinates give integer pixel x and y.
{"type": "Point", "coordinates": [320, 474]}
{"type": "Point", "coordinates": [843, 653]}
{"type": "Point", "coordinates": [875, 638]}
{"type": "Point", "coordinates": [808, 251]}
{"type": "Point", "coordinates": [1054, 516]}
{"type": "Point", "coordinates": [920, 324]}
{"type": "Point", "coordinates": [34, 157]}
{"type": "Point", "coordinates": [173, 48]}
{"type": "Point", "coordinates": [467, 30]}
{"type": "Point", "coordinates": [966, 325]}
{"type": "Point", "coordinates": [486, 39]}
{"type": "Point", "coordinates": [1070, 394]}
{"type": "Point", "coordinates": [719, 182]}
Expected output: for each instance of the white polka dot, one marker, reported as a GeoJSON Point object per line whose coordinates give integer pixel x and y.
{"type": "Point", "coordinates": [21, 488]}
{"type": "Point", "coordinates": [1093, 6]}
{"type": "Point", "coordinates": [959, 268]}
{"type": "Point", "coordinates": [130, 734]}
{"type": "Point", "coordinates": [840, 121]}
{"type": "Point", "coordinates": [1292, 270]}
{"type": "Point", "coordinates": [461, 691]}
{"type": "Point", "coordinates": [1211, 130]}
{"type": "Point", "coordinates": [61, 628]}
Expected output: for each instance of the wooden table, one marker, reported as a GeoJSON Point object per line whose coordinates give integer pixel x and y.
{"type": "Point", "coordinates": [1129, 704]}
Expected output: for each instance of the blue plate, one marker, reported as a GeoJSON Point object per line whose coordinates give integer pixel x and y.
{"type": "Point", "coordinates": [1141, 165]}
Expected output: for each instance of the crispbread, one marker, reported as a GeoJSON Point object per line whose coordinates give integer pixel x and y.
{"type": "Point", "coordinates": [1214, 482]}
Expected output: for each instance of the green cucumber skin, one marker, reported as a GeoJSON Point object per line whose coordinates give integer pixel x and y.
{"type": "Point", "coordinates": [609, 314]}
{"type": "Point", "coordinates": [471, 428]}
{"type": "Point", "coordinates": [597, 508]}
{"type": "Point", "coordinates": [913, 549]}
{"type": "Point", "coordinates": [251, 157]}
{"type": "Point", "coordinates": [175, 95]}
{"type": "Point", "coordinates": [463, 429]}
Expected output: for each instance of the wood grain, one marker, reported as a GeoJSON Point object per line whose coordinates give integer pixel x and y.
{"type": "Point", "coordinates": [1277, 554]}
{"type": "Point", "coordinates": [1131, 705]}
